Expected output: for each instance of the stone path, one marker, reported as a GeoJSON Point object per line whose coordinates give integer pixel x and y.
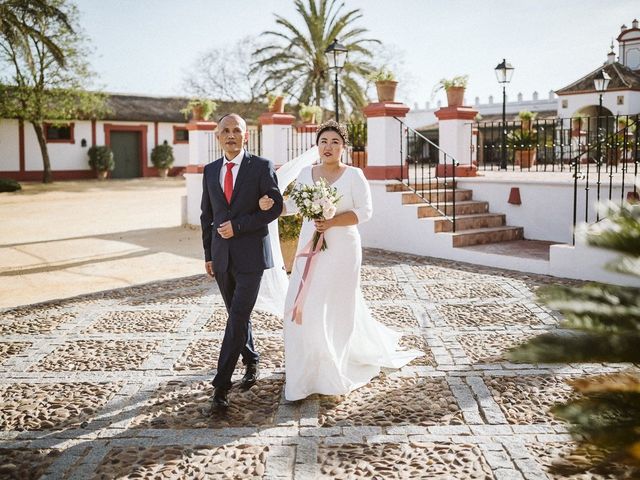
{"type": "Point", "coordinates": [113, 385]}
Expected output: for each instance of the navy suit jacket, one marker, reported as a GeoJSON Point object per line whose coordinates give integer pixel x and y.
{"type": "Point", "coordinates": [249, 249]}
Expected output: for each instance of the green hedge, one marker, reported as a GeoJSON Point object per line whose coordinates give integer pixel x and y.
{"type": "Point", "coordinates": [9, 185]}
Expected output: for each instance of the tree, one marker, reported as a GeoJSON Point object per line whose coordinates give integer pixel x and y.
{"type": "Point", "coordinates": [295, 63]}
{"type": "Point", "coordinates": [43, 68]}
{"type": "Point", "coordinates": [604, 321]}
{"type": "Point", "coordinates": [15, 30]}
{"type": "Point", "coordinates": [213, 75]}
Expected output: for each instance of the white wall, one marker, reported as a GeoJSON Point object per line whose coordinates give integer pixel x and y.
{"type": "Point", "coordinates": [576, 102]}
{"type": "Point", "coordinates": [546, 212]}
{"type": "Point", "coordinates": [180, 150]}
{"type": "Point", "coordinates": [9, 145]}
{"type": "Point", "coordinates": [194, 197]}
{"type": "Point", "coordinates": [63, 156]}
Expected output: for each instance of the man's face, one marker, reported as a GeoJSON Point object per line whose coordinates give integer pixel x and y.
{"type": "Point", "coordinates": [232, 134]}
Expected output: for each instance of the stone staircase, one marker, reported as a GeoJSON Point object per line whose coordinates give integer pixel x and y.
{"type": "Point", "coordinates": [475, 225]}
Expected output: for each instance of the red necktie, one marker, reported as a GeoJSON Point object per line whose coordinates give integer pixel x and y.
{"type": "Point", "coordinates": [228, 182]}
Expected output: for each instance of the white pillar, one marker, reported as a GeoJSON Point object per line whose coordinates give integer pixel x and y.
{"type": "Point", "coordinates": [201, 152]}
{"type": "Point", "coordinates": [455, 138]}
{"type": "Point", "coordinates": [384, 137]}
{"type": "Point", "coordinates": [276, 130]}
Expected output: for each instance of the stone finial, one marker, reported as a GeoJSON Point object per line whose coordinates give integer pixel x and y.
{"type": "Point", "coordinates": [552, 95]}
{"type": "Point", "coordinates": [535, 96]}
{"type": "Point", "coordinates": [427, 105]}
{"type": "Point", "coordinates": [416, 106]}
{"type": "Point", "coordinates": [477, 101]}
{"type": "Point", "coordinates": [519, 97]}
{"type": "Point", "coordinates": [623, 27]}
{"type": "Point", "coordinates": [490, 99]}
{"type": "Point", "coordinates": [634, 24]}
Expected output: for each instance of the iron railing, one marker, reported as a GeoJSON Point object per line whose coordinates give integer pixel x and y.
{"type": "Point", "coordinates": [253, 144]}
{"type": "Point", "coordinates": [423, 166]}
{"type": "Point", "coordinates": [552, 144]}
{"type": "Point", "coordinates": [612, 156]}
{"type": "Point", "coordinates": [301, 139]}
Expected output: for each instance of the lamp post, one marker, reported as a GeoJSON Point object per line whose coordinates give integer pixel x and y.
{"type": "Point", "coordinates": [600, 83]}
{"type": "Point", "coordinates": [504, 72]}
{"type": "Point", "coordinates": [336, 55]}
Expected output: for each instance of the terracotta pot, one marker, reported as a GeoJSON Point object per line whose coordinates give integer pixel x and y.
{"type": "Point", "coordinates": [163, 172]}
{"type": "Point", "coordinates": [102, 174]}
{"type": "Point", "coordinates": [278, 105]}
{"type": "Point", "coordinates": [309, 119]}
{"type": "Point", "coordinates": [359, 159]}
{"type": "Point", "coordinates": [386, 90]}
{"type": "Point", "coordinates": [288, 248]}
{"type": "Point", "coordinates": [525, 158]}
{"type": "Point", "coordinates": [197, 113]}
{"type": "Point", "coordinates": [455, 96]}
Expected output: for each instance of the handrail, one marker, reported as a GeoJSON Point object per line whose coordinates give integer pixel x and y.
{"type": "Point", "coordinates": [414, 146]}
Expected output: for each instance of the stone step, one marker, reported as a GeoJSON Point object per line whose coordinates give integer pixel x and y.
{"type": "Point", "coordinates": [436, 196]}
{"type": "Point", "coordinates": [483, 236]}
{"type": "Point", "coordinates": [470, 222]}
{"type": "Point", "coordinates": [426, 185]}
{"type": "Point", "coordinates": [470, 207]}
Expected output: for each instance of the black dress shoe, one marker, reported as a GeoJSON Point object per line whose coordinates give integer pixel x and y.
{"type": "Point", "coordinates": [220, 399]}
{"type": "Point", "coordinates": [250, 377]}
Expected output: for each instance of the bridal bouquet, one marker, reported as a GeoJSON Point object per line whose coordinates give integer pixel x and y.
{"type": "Point", "coordinates": [316, 202]}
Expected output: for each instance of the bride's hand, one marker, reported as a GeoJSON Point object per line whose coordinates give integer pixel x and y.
{"type": "Point", "coordinates": [323, 225]}
{"type": "Point", "coordinates": [265, 202]}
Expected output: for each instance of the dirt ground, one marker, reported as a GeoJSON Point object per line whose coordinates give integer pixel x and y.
{"type": "Point", "coordinates": [76, 237]}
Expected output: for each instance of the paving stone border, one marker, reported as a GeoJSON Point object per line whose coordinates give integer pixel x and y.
{"type": "Point", "coordinates": [118, 384]}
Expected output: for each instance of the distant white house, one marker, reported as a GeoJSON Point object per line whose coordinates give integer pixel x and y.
{"type": "Point", "coordinates": [134, 125]}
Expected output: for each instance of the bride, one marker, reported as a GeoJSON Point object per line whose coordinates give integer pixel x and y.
{"type": "Point", "coordinates": [338, 346]}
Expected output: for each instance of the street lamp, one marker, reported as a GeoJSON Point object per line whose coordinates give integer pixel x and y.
{"type": "Point", "coordinates": [600, 83]}
{"type": "Point", "coordinates": [336, 55]}
{"type": "Point", "coordinates": [504, 72]}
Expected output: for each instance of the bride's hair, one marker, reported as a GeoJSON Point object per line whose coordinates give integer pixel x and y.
{"type": "Point", "coordinates": [333, 126]}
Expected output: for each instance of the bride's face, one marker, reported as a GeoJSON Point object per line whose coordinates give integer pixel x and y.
{"type": "Point", "coordinates": [330, 145]}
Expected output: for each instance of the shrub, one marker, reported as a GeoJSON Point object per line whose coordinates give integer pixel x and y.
{"type": "Point", "coordinates": [9, 185]}
{"type": "Point", "coordinates": [382, 75]}
{"type": "Point", "coordinates": [101, 158]}
{"type": "Point", "coordinates": [205, 106]}
{"type": "Point", "coordinates": [162, 156]}
{"type": "Point", "coordinates": [289, 227]}
{"type": "Point", "coordinates": [527, 115]}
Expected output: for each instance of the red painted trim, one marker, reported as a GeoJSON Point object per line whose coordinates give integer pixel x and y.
{"type": "Point", "coordinates": [21, 144]}
{"type": "Point", "coordinates": [307, 128]}
{"type": "Point", "coordinates": [173, 171]}
{"type": "Point", "coordinates": [628, 30]}
{"type": "Point", "coordinates": [36, 176]}
{"type": "Point", "coordinates": [175, 140]}
{"type": "Point", "coordinates": [456, 113]}
{"type": "Point", "coordinates": [155, 134]}
{"type": "Point", "coordinates": [207, 126]}
{"type": "Point", "coordinates": [194, 169]}
{"type": "Point", "coordinates": [385, 172]}
{"type": "Point", "coordinates": [273, 118]}
{"type": "Point", "coordinates": [109, 127]}
{"type": "Point", "coordinates": [47, 126]}
{"type": "Point", "coordinates": [385, 109]}
{"type": "Point", "coordinates": [93, 132]}
{"type": "Point", "coordinates": [460, 171]}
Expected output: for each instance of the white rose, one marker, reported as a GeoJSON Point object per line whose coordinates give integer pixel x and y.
{"type": "Point", "coordinates": [329, 212]}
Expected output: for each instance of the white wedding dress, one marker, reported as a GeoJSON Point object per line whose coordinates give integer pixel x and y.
{"type": "Point", "coordinates": [339, 346]}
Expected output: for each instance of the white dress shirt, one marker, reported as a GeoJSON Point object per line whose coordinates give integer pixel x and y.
{"type": "Point", "coordinates": [223, 171]}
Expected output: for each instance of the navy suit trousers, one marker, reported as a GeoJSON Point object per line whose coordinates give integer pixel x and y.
{"type": "Point", "coordinates": [239, 291]}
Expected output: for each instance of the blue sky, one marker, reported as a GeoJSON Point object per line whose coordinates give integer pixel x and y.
{"type": "Point", "coordinates": [147, 46]}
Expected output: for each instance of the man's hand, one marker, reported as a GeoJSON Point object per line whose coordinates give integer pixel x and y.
{"type": "Point", "coordinates": [266, 202]}
{"type": "Point", "coordinates": [226, 230]}
{"type": "Point", "coordinates": [208, 266]}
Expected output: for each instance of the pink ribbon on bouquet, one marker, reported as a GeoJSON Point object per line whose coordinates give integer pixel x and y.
{"type": "Point", "coordinates": [296, 310]}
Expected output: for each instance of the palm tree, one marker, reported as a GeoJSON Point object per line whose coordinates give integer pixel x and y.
{"type": "Point", "coordinates": [17, 23]}
{"type": "Point", "coordinates": [295, 61]}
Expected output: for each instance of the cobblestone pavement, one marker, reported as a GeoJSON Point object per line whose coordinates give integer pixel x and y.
{"type": "Point", "coordinates": [116, 385]}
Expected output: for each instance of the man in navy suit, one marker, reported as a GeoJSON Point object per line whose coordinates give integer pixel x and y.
{"type": "Point", "coordinates": [235, 237]}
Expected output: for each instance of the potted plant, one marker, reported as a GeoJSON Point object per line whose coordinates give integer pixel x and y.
{"type": "Point", "coordinates": [309, 113]}
{"type": "Point", "coordinates": [101, 160]}
{"type": "Point", "coordinates": [386, 84]}
{"type": "Point", "coordinates": [523, 143]}
{"type": "Point", "coordinates": [162, 158]}
{"type": "Point", "coordinates": [276, 102]}
{"type": "Point", "coordinates": [200, 109]}
{"type": "Point", "coordinates": [527, 117]}
{"type": "Point", "coordinates": [576, 124]}
{"type": "Point", "coordinates": [454, 88]}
